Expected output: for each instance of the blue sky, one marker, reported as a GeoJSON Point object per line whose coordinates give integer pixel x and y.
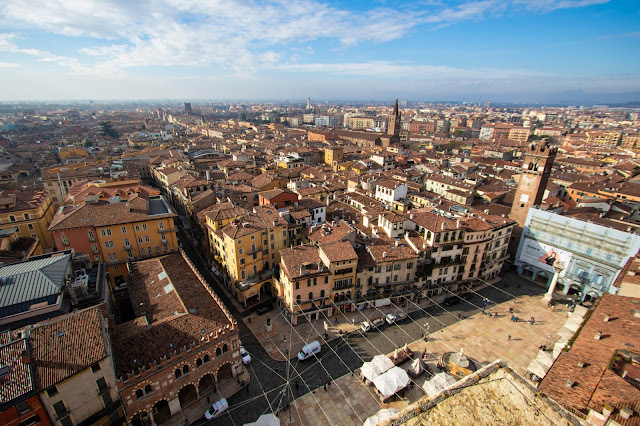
{"type": "Point", "coordinates": [500, 50]}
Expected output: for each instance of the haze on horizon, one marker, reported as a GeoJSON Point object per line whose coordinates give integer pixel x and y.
{"type": "Point", "coordinates": [519, 51]}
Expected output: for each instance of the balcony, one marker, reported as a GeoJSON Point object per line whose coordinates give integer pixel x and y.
{"type": "Point", "coordinates": [255, 250]}
{"type": "Point", "coordinates": [163, 230]}
{"type": "Point", "coordinates": [254, 279]}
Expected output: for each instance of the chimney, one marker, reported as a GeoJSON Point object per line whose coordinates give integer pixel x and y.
{"type": "Point", "coordinates": [128, 207]}
{"type": "Point", "coordinates": [607, 318]}
{"type": "Point", "coordinates": [384, 254]}
{"type": "Point", "coordinates": [569, 383]}
{"type": "Point", "coordinates": [397, 243]}
{"type": "Point", "coordinates": [443, 225]}
{"type": "Point", "coordinates": [598, 336]}
{"type": "Point", "coordinates": [208, 175]}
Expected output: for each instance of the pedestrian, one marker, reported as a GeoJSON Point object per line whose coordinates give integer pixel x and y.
{"type": "Point", "coordinates": [532, 321]}
{"type": "Point", "coordinates": [249, 320]}
{"type": "Point", "coordinates": [511, 311]}
{"type": "Point", "coordinates": [325, 387]}
{"type": "Point", "coordinates": [509, 337]}
{"type": "Point", "coordinates": [186, 421]}
{"type": "Point", "coordinates": [336, 320]}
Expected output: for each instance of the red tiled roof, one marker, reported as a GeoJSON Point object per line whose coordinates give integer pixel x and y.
{"type": "Point", "coordinates": [66, 345]}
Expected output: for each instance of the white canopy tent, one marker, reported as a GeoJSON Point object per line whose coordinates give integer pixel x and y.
{"type": "Point", "coordinates": [265, 420]}
{"type": "Point", "coordinates": [378, 365]}
{"type": "Point", "coordinates": [392, 381]}
{"type": "Point", "coordinates": [380, 416]}
{"type": "Point", "coordinates": [438, 383]}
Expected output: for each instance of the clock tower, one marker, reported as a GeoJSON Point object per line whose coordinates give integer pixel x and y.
{"type": "Point", "coordinates": [536, 169]}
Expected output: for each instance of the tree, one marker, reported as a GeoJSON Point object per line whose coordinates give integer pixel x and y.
{"type": "Point", "coordinates": [457, 133]}
{"type": "Point", "coordinates": [108, 130]}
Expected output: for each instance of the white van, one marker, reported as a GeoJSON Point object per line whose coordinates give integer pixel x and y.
{"type": "Point", "coordinates": [216, 409]}
{"type": "Point", "coordinates": [309, 350]}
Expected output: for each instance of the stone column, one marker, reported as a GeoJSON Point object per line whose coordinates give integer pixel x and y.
{"type": "Point", "coordinates": [151, 419]}
{"type": "Point", "coordinates": [548, 297]}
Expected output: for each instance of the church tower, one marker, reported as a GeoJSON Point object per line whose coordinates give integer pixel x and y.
{"type": "Point", "coordinates": [536, 169]}
{"type": "Point", "coordinates": [393, 126]}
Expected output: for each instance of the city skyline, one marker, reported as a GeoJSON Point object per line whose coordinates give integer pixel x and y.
{"type": "Point", "coordinates": [519, 51]}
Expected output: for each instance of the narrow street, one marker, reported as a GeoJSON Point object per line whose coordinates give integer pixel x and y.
{"type": "Point", "coordinates": [345, 354]}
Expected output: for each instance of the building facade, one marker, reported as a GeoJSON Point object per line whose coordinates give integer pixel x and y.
{"type": "Point", "coordinates": [591, 256]}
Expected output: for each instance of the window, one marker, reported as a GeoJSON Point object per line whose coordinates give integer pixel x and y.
{"type": "Point", "coordinates": [30, 226]}
{"type": "Point", "coordinates": [161, 226]}
{"type": "Point", "coordinates": [150, 251]}
{"type": "Point", "coordinates": [148, 389]}
{"type": "Point", "coordinates": [396, 267]}
{"type": "Point", "coordinates": [297, 285]}
{"type": "Point", "coordinates": [242, 274]}
{"type": "Point", "coordinates": [137, 228]}
{"type": "Point", "coordinates": [409, 265]}
{"type": "Point", "coordinates": [378, 268]}
{"type": "Point", "coordinates": [322, 293]}
{"type": "Point", "coordinates": [139, 393]}
{"type": "Point", "coordinates": [240, 250]}
{"type": "Point", "coordinates": [271, 237]}
{"type": "Point", "coordinates": [33, 420]}
{"type": "Point", "coordinates": [389, 267]}
{"type": "Point", "coordinates": [206, 358]}
{"type": "Point", "coordinates": [326, 279]}
{"type": "Point", "coordinates": [95, 367]}
{"type": "Point", "coordinates": [92, 237]}
{"type": "Point", "coordinates": [144, 226]}
{"type": "Point", "coordinates": [310, 295]}
{"type": "Point", "coordinates": [12, 218]}
{"type": "Point", "coordinates": [284, 233]}
{"type": "Point", "coordinates": [108, 244]}
{"type": "Point", "coordinates": [178, 373]}
{"type": "Point", "coordinates": [95, 248]}
{"type": "Point", "coordinates": [65, 241]}
{"type": "Point", "coordinates": [124, 229]}
{"type": "Point", "coordinates": [315, 281]}
{"type": "Point", "coordinates": [60, 409]}
{"type": "Point", "coordinates": [52, 391]}
{"type": "Point", "coordinates": [199, 362]}
{"type": "Point", "coordinates": [242, 260]}
{"type": "Point", "coordinates": [308, 282]}
{"type": "Point", "coordinates": [298, 299]}
{"type": "Point", "coordinates": [102, 384]}
{"type": "Point", "coordinates": [23, 407]}
{"type": "Point", "coordinates": [146, 238]}
{"type": "Point", "coordinates": [225, 348]}
{"type": "Point", "coordinates": [109, 232]}
{"type": "Point", "coordinates": [139, 240]}
{"type": "Point", "coordinates": [185, 369]}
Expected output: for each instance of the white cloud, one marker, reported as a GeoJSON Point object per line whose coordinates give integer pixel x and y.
{"type": "Point", "coordinates": [9, 65]}
{"type": "Point", "coordinates": [240, 36]}
{"type": "Point", "coordinates": [383, 69]}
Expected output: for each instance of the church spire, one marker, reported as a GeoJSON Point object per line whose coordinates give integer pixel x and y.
{"type": "Point", "coordinates": [395, 107]}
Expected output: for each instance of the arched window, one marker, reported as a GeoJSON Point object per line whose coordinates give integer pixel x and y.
{"type": "Point", "coordinates": [310, 295]}
{"type": "Point", "coordinates": [199, 362]}
{"type": "Point", "coordinates": [147, 389]}
{"type": "Point", "coordinates": [26, 216]}
{"type": "Point", "coordinates": [185, 369]}
{"type": "Point", "coordinates": [178, 373]}
{"type": "Point", "coordinates": [225, 348]}
{"type": "Point", "coordinates": [218, 352]}
{"type": "Point", "coordinates": [139, 393]}
{"type": "Point", "coordinates": [206, 358]}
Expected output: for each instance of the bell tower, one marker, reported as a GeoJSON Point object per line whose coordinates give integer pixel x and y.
{"type": "Point", "coordinates": [393, 126]}
{"type": "Point", "coordinates": [536, 169]}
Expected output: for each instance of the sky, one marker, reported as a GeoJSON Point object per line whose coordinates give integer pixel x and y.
{"type": "Point", "coordinates": [520, 51]}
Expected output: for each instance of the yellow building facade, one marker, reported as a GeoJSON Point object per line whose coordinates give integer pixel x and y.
{"type": "Point", "coordinates": [29, 213]}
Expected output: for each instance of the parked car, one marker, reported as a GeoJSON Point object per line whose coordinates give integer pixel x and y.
{"type": "Point", "coordinates": [246, 358]}
{"type": "Point", "coordinates": [391, 319]}
{"type": "Point", "coordinates": [372, 324]}
{"type": "Point", "coordinates": [265, 308]}
{"type": "Point", "coordinates": [450, 301]}
{"type": "Point", "coordinates": [309, 350]}
{"type": "Point", "coordinates": [216, 409]}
